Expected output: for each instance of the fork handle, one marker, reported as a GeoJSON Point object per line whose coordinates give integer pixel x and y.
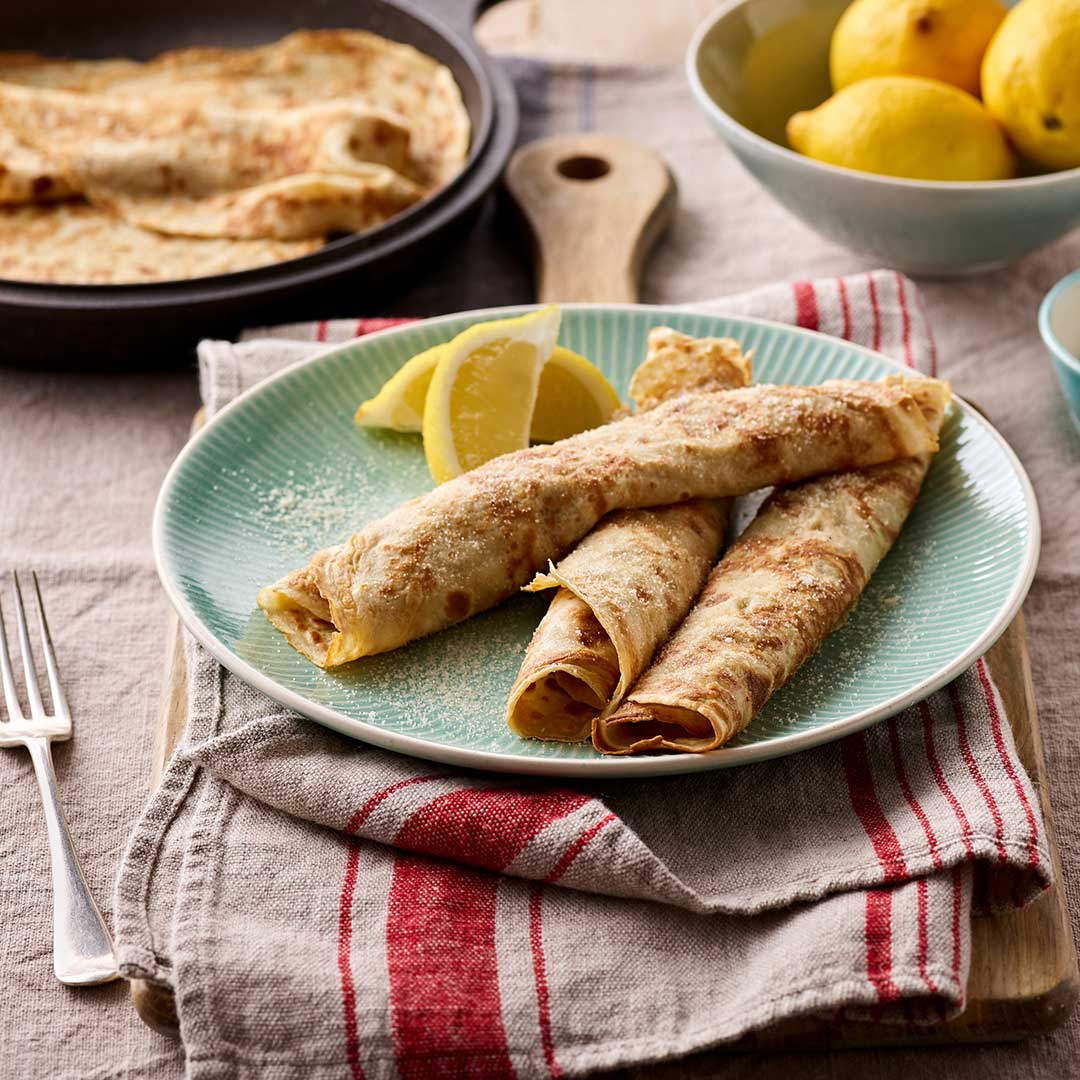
{"type": "Point", "coordinates": [82, 945]}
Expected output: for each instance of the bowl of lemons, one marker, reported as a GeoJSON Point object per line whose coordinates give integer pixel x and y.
{"type": "Point", "coordinates": [939, 137]}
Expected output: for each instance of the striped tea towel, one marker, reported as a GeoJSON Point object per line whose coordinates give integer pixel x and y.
{"type": "Point", "coordinates": [322, 908]}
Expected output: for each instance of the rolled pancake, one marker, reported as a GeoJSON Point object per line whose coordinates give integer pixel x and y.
{"type": "Point", "coordinates": [474, 540]}
{"type": "Point", "coordinates": [621, 591]}
{"type": "Point", "coordinates": [213, 171]}
{"type": "Point", "coordinates": [625, 587]}
{"type": "Point", "coordinates": [784, 585]}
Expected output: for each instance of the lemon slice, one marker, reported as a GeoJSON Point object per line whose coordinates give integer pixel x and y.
{"type": "Point", "coordinates": [400, 403]}
{"type": "Point", "coordinates": [480, 401]}
{"type": "Point", "coordinates": [573, 396]}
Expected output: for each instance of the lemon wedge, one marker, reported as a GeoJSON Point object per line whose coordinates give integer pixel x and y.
{"type": "Point", "coordinates": [573, 396]}
{"type": "Point", "coordinates": [400, 403]}
{"type": "Point", "coordinates": [483, 390]}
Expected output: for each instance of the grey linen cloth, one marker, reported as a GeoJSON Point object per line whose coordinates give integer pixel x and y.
{"type": "Point", "coordinates": [320, 906]}
{"type": "Point", "coordinates": [83, 456]}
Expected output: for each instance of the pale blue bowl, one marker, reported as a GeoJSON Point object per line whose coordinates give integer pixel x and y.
{"type": "Point", "coordinates": [1059, 324]}
{"type": "Point", "coordinates": [755, 62]}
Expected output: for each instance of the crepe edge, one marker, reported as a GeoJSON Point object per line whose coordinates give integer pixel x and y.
{"type": "Point", "coordinates": [580, 673]}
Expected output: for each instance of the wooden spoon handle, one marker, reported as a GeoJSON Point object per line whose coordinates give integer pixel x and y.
{"type": "Point", "coordinates": [595, 205]}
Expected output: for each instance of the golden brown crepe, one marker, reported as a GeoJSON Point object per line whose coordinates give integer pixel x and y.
{"type": "Point", "coordinates": [276, 146]}
{"type": "Point", "coordinates": [288, 174]}
{"type": "Point", "coordinates": [73, 243]}
{"type": "Point", "coordinates": [781, 588]}
{"type": "Point", "coordinates": [29, 176]}
{"type": "Point", "coordinates": [307, 66]}
{"type": "Point", "coordinates": [474, 540]}
{"type": "Point", "coordinates": [621, 591]}
{"type": "Point", "coordinates": [677, 364]}
{"type": "Point", "coordinates": [625, 587]}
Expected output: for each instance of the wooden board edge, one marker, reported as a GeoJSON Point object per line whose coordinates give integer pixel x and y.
{"type": "Point", "coordinates": [156, 1004]}
{"type": "Point", "coordinates": [1010, 667]}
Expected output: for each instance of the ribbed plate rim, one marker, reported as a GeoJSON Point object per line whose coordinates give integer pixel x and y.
{"type": "Point", "coordinates": [609, 767]}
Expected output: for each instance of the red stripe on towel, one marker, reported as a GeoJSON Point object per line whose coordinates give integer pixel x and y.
{"type": "Point", "coordinates": [1006, 761]}
{"type": "Point", "coordinates": [345, 924]}
{"type": "Point", "coordinates": [871, 289]}
{"type": "Point", "coordinates": [372, 326]}
{"type": "Point", "coordinates": [942, 783]}
{"type": "Point", "coordinates": [543, 1000]}
{"type": "Point", "coordinates": [320, 330]}
{"type": "Point", "coordinates": [806, 305]}
{"type": "Point", "coordinates": [845, 307]}
{"type": "Point", "coordinates": [924, 943]}
{"type": "Point", "coordinates": [957, 898]}
{"type": "Point", "coordinates": [576, 848]}
{"type": "Point", "coordinates": [962, 820]}
{"type": "Point", "coordinates": [440, 930]}
{"type": "Point", "coordinates": [976, 772]}
{"type": "Point", "coordinates": [365, 811]}
{"type": "Point", "coordinates": [905, 320]}
{"type": "Point", "coordinates": [443, 969]}
{"type": "Point", "coordinates": [864, 800]}
{"type": "Point", "coordinates": [879, 944]}
{"type": "Point", "coordinates": [348, 989]}
{"type": "Point", "coordinates": [486, 827]}
{"type": "Point", "coordinates": [909, 795]}
{"type": "Point", "coordinates": [886, 845]}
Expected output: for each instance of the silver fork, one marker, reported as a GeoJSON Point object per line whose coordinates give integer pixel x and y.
{"type": "Point", "coordinates": [82, 947]}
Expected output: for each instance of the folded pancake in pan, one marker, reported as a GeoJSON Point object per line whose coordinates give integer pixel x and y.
{"type": "Point", "coordinates": [72, 243]}
{"type": "Point", "coordinates": [33, 69]}
{"type": "Point", "coordinates": [204, 147]}
{"type": "Point", "coordinates": [779, 591]}
{"type": "Point", "coordinates": [474, 540]}
{"type": "Point", "coordinates": [304, 67]}
{"type": "Point", "coordinates": [302, 207]}
{"type": "Point", "coordinates": [208, 170]}
{"type": "Point", "coordinates": [29, 176]}
{"type": "Point", "coordinates": [625, 587]}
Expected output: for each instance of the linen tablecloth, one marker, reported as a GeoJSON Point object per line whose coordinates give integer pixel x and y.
{"type": "Point", "coordinates": [83, 456]}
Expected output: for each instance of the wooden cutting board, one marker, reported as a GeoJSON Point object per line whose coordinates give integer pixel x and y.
{"type": "Point", "coordinates": [594, 205]}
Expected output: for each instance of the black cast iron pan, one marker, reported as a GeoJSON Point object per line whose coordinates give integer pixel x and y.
{"type": "Point", "coordinates": [95, 326]}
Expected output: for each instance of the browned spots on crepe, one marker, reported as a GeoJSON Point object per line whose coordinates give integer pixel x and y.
{"type": "Point", "coordinates": [457, 605]}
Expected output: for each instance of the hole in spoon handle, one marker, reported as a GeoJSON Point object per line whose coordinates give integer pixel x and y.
{"type": "Point", "coordinates": [583, 167]}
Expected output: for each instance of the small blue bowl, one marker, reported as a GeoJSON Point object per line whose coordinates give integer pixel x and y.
{"type": "Point", "coordinates": [1059, 324]}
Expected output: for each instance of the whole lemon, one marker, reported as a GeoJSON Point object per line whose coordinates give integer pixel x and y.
{"type": "Point", "coordinates": [940, 39]}
{"type": "Point", "coordinates": [1031, 80]}
{"type": "Point", "coordinates": [899, 125]}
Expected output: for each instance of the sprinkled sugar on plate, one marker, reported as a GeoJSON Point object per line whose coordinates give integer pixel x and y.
{"type": "Point", "coordinates": [284, 470]}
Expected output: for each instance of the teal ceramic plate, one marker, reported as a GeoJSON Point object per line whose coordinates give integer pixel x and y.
{"type": "Point", "coordinates": [283, 471]}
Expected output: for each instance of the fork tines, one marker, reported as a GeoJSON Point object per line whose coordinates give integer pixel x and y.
{"type": "Point", "coordinates": [59, 722]}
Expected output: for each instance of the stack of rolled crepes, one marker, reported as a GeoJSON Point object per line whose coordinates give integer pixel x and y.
{"type": "Point", "coordinates": [631, 581]}
{"type": "Point", "coordinates": [639, 582]}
